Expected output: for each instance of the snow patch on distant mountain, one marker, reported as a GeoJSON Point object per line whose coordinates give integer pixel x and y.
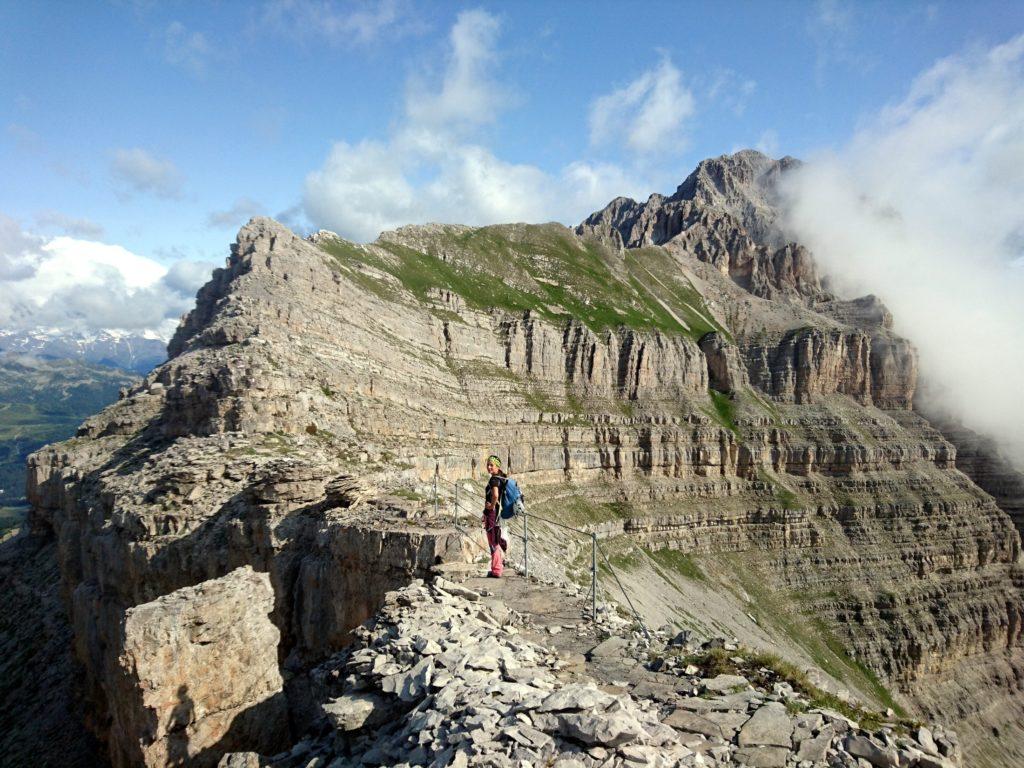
{"type": "Point", "coordinates": [115, 348]}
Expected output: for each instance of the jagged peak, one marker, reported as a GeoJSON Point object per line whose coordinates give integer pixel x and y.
{"type": "Point", "coordinates": [748, 174]}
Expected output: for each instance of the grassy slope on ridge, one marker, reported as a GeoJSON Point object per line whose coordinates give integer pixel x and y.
{"type": "Point", "coordinates": [544, 268]}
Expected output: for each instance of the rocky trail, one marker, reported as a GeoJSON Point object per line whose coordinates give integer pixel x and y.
{"type": "Point", "coordinates": [510, 672]}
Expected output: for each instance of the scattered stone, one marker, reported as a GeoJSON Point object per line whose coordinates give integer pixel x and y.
{"type": "Point", "coordinates": [770, 726]}
{"type": "Point", "coordinates": [684, 720]}
{"type": "Point", "coordinates": [607, 730]}
{"type": "Point", "coordinates": [762, 757]}
{"type": "Point", "coordinates": [613, 646]}
{"type": "Point", "coordinates": [860, 745]}
{"type": "Point", "coordinates": [354, 710]}
{"type": "Point", "coordinates": [815, 749]}
{"type": "Point", "coordinates": [724, 683]}
{"type": "Point", "coordinates": [924, 738]}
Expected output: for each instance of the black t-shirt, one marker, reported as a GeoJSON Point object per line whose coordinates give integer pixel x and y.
{"type": "Point", "coordinates": [495, 481]}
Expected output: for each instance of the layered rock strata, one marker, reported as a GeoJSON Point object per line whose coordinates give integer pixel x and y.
{"type": "Point", "coordinates": [698, 393]}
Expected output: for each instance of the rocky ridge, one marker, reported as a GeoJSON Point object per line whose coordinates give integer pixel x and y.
{"type": "Point", "coordinates": [748, 449]}
{"type": "Point", "coordinates": [438, 678]}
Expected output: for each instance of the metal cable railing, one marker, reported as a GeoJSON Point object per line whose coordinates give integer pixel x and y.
{"type": "Point", "coordinates": [526, 516]}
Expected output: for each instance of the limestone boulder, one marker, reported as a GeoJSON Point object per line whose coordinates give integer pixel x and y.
{"type": "Point", "coordinates": [199, 675]}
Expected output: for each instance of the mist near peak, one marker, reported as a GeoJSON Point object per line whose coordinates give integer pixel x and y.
{"type": "Point", "coordinates": [924, 207]}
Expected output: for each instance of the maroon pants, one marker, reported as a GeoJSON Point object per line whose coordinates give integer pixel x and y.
{"type": "Point", "coordinates": [492, 525]}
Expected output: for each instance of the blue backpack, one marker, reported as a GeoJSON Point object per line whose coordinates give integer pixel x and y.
{"type": "Point", "coordinates": [511, 499]}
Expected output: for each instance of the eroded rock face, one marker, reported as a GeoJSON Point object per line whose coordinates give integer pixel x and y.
{"type": "Point", "coordinates": [199, 675]}
{"type": "Point", "coordinates": [724, 214]}
{"type": "Point", "coordinates": [809, 363]}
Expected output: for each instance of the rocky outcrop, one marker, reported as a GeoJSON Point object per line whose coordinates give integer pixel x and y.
{"type": "Point", "coordinates": [199, 675]}
{"type": "Point", "coordinates": [624, 363]}
{"type": "Point", "coordinates": [809, 363]}
{"type": "Point", "coordinates": [726, 369]}
{"type": "Point", "coordinates": [438, 679]}
{"type": "Point", "coordinates": [723, 214]}
{"type": "Point", "coordinates": [981, 459]}
{"type": "Point", "coordinates": [44, 720]}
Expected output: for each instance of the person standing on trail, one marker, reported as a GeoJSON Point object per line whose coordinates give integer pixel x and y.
{"type": "Point", "coordinates": [492, 515]}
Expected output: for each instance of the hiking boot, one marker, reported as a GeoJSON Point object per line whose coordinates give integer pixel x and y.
{"type": "Point", "coordinates": [492, 575]}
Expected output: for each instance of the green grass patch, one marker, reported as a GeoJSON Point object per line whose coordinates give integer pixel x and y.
{"type": "Point", "coordinates": [784, 497]}
{"type": "Point", "coordinates": [752, 665]}
{"type": "Point", "coordinates": [678, 562]}
{"type": "Point", "coordinates": [542, 268]}
{"type": "Point", "coordinates": [581, 511]}
{"type": "Point", "coordinates": [724, 410]}
{"type": "Point", "coordinates": [808, 632]}
{"type": "Point", "coordinates": [876, 686]}
{"type": "Point", "coordinates": [11, 517]}
{"type": "Point", "coordinates": [625, 561]}
{"type": "Point", "coordinates": [539, 400]}
{"type": "Point", "coordinates": [407, 494]}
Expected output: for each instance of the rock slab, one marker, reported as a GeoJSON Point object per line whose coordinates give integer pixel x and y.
{"type": "Point", "coordinates": [199, 675]}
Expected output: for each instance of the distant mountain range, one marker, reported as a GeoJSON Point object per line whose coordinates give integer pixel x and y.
{"type": "Point", "coordinates": [138, 353]}
{"type": "Point", "coordinates": [50, 381]}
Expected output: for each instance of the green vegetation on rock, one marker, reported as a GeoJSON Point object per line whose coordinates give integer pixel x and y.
{"type": "Point", "coordinates": [678, 562]}
{"type": "Point", "coordinates": [542, 268]}
{"type": "Point", "coordinates": [763, 668]}
{"type": "Point", "coordinates": [724, 410]}
{"type": "Point", "coordinates": [779, 610]}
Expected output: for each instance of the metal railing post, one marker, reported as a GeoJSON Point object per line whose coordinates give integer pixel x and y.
{"type": "Point", "coordinates": [593, 578]}
{"type": "Point", "coordinates": [526, 546]}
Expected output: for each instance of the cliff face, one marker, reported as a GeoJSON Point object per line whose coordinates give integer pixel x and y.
{"type": "Point", "coordinates": [704, 397]}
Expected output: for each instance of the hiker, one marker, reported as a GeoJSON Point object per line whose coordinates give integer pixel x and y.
{"type": "Point", "coordinates": [492, 515]}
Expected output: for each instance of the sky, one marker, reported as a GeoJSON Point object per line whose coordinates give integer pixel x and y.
{"type": "Point", "coordinates": [137, 137]}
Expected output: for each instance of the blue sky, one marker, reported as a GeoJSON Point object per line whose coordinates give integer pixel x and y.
{"type": "Point", "coordinates": [240, 102]}
{"type": "Point", "coordinates": [161, 127]}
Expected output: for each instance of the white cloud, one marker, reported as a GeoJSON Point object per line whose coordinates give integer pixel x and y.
{"type": "Point", "coordinates": [370, 187]}
{"type": "Point", "coordinates": [647, 115]}
{"type": "Point", "coordinates": [71, 225]}
{"type": "Point", "coordinates": [731, 89]}
{"type": "Point", "coordinates": [186, 48]}
{"type": "Point", "coordinates": [925, 207]}
{"type": "Point", "coordinates": [434, 168]}
{"type": "Point", "coordinates": [16, 249]}
{"type": "Point", "coordinates": [341, 23]}
{"type": "Point", "coordinates": [243, 209]}
{"type": "Point", "coordinates": [469, 96]}
{"type": "Point", "coordinates": [69, 283]}
{"type": "Point", "coordinates": [136, 171]}
{"type": "Point", "coordinates": [768, 143]}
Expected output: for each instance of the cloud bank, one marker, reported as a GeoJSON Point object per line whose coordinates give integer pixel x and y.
{"type": "Point", "coordinates": [435, 165]}
{"type": "Point", "coordinates": [83, 285]}
{"type": "Point", "coordinates": [925, 208]}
